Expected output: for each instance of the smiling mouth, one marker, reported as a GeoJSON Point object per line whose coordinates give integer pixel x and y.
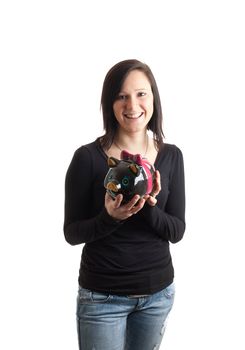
{"type": "Point", "coordinates": [133, 116]}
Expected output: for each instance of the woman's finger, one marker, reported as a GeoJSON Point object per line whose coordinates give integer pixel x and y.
{"type": "Point", "coordinates": [152, 201]}
{"type": "Point", "coordinates": [139, 205]}
{"type": "Point", "coordinates": [132, 203]}
{"type": "Point", "coordinates": [118, 201]}
{"type": "Point", "coordinates": [157, 184]}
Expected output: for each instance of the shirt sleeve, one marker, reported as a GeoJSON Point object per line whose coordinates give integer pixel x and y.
{"type": "Point", "coordinates": [169, 223]}
{"type": "Point", "coordinates": [79, 226]}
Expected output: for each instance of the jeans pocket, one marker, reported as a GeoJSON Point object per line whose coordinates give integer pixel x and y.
{"type": "Point", "coordinates": [87, 296]}
{"type": "Point", "coordinates": [99, 297]}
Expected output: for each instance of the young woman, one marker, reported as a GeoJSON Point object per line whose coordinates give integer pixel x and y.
{"type": "Point", "coordinates": [126, 277]}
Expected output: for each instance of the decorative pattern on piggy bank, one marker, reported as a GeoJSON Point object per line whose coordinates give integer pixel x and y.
{"type": "Point", "coordinates": [129, 175]}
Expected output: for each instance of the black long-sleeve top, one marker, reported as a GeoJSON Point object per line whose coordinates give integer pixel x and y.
{"type": "Point", "coordinates": [131, 256]}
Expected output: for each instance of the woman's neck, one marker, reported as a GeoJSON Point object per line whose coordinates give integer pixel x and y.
{"type": "Point", "coordinates": [136, 143]}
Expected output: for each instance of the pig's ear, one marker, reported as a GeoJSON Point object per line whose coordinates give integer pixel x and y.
{"type": "Point", "coordinates": [135, 169]}
{"type": "Point", "coordinates": [112, 162]}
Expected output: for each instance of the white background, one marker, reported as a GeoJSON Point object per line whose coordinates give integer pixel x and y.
{"type": "Point", "coordinates": [54, 56]}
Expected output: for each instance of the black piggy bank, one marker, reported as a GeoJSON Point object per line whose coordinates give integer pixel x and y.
{"type": "Point", "coordinates": [129, 176]}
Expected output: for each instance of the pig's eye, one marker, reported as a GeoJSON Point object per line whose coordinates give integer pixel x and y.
{"type": "Point", "coordinates": [125, 181]}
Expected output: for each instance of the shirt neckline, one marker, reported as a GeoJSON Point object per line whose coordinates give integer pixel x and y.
{"type": "Point", "coordinates": [105, 156]}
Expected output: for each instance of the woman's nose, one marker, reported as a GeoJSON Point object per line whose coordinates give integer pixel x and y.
{"type": "Point", "coordinates": [131, 102]}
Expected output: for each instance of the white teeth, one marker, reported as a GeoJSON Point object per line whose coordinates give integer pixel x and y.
{"type": "Point", "coordinates": [133, 116]}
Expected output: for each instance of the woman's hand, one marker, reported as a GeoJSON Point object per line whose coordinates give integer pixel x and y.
{"type": "Point", "coordinates": [122, 212]}
{"type": "Point", "coordinates": [151, 198]}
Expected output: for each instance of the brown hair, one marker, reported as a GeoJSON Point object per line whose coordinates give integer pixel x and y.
{"type": "Point", "coordinates": [113, 82]}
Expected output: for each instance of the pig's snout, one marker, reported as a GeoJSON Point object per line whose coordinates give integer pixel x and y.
{"type": "Point", "coordinates": [111, 186]}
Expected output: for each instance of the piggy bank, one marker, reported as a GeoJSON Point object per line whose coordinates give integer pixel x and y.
{"type": "Point", "coordinates": [129, 176]}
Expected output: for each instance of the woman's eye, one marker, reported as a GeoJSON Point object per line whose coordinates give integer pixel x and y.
{"type": "Point", "coordinates": [141, 94]}
{"type": "Point", "coordinates": [122, 97]}
{"type": "Point", "coordinates": [125, 181]}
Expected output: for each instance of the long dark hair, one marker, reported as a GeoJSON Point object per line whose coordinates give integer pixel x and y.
{"type": "Point", "coordinates": [113, 82]}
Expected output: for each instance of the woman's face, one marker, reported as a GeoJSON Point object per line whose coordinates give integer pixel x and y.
{"type": "Point", "coordinates": [133, 107]}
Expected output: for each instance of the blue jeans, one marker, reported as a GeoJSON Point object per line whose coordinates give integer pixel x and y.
{"type": "Point", "coordinates": [112, 322]}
